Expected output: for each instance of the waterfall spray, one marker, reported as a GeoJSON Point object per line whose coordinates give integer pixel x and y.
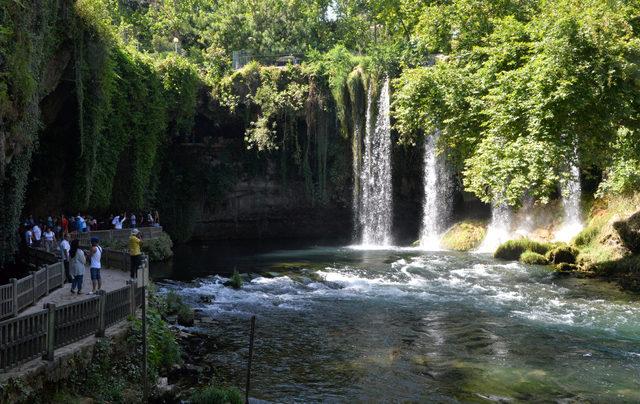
{"type": "Point", "coordinates": [437, 194]}
{"type": "Point", "coordinates": [571, 193]}
{"type": "Point", "coordinates": [499, 229]}
{"type": "Point", "coordinates": [374, 211]}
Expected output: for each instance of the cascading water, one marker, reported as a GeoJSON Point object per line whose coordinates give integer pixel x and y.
{"type": "Point", "coordinates": [571, 192]}
{"type": "Point", "coordinates": [437, 194]}
{"type": "Point", "coordinates": [499, 229]}
{"type": "Point", "coordinates": [374, 211]}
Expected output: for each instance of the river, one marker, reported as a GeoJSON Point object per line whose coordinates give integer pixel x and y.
{"type": "Point", "coordinates": [343, 324]}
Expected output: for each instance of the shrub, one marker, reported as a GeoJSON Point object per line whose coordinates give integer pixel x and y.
{"type": "Point", "coordinates": [513, 249]}
{"type": "Point", "coordinates": [533, 258]}
{"type": "Point", "coordinates": [186, 316]}
{"type": "Point", "coordinates": [217, 395]}
{"type": "Point", "coordinates": [236, 280]}
{"type": "Point", "coordinates": [562, 254]}
{"type": "Point", "coordinates": [172, 303]}
{"type": "Point", "coordinates": [464, 236]}
{"type": "Point", "coordinates": [159, 248]}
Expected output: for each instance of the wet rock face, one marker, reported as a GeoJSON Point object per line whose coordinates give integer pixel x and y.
{"type": "Point", "coordinates": [629, 232]}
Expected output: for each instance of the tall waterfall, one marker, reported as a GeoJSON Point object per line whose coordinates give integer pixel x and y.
{"type": "Point", "coordinates": [374, 212]}
{"type": "Point", "coordinates": [499, 229]}
{"type": "Point", "coordinates": [571, 193]}
{"type": "Point", "coordinates": [437, 194]}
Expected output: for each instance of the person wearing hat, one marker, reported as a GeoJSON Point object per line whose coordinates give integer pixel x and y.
{"type": "Point", "coordinates": [135, 251]}
{"type": "Point", "coordinates": [95, 256]}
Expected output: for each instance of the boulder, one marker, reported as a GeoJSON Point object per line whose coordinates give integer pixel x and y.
{"type": "Point", "coordinates": [629, 232]}
{"type": "Point", "coordinates": [566, 267]}
{"type": "Point", "coordinates": [563, 254]}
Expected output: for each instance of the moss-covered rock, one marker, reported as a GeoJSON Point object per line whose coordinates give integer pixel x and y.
{"type": "Point", "coordinates": [562, 254]}
{"type": "Point", "coordinates": [464, 236]}
{"type": "Point", "coordinates": [629, 232]}
{"type": "Point", "coordinates": [566, 267]}
{"type": "Point", "coordinates": [533, 258]}
{"type": "Point", "coordinates": [513, 249]}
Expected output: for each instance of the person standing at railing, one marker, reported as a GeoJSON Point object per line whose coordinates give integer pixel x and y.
{"type": "Point", "coordinates": [132, 220]}
{"type": "Point", "coordinates": [65, 249]}
{"type": "Point", "coordinates": [135, 251]}
{"type": "Point", "coordinates": [37, 235]}
{"type": "Point", "coordinates": [118, 221]}
{"type": "Point", "coordinates": [65, 224]}
{"type": "Point", "coordinates": [95, 256]}
{"type": "Point", "coordinates": [49, 239]}
{"type": "Point", "coordinates": [77, 263]}
{"type": "Point", "coordinates": [28, 237]}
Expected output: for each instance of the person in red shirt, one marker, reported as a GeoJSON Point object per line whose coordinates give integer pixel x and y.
{"type": "Point", "coordinates": [65, 225]}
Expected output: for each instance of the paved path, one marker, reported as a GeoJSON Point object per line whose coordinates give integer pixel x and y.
{"type": "Point", "coordinates": [111, 279]}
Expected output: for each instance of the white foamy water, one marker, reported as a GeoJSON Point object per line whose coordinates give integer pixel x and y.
{"type": "Point", "coordinates": [375, 205]}
{"type": "Point", "coordinates": [438, 189]}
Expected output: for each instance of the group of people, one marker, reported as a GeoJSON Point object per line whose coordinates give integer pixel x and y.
{"type": "Point", "coordinates": [74, 258]}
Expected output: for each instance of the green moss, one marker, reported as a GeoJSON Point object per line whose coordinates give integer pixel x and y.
{"type": "Point", "coordinates": [533, 258]}
{"type": "Point", "coordinates": [217, 395]}
{"type": "Point", "coordinates": [513, 249]}
{"type": "Point", "coordinates": [566, 267]}
{"type": "Point", "coordinates": [464, 236]}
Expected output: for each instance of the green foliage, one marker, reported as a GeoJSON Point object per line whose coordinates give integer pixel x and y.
{"type": "Point", "coordinates": [236, 280]}
{"type": "Point", "coordinates": [533, 258]}
{"type": "Point", "coordinates": [217, 395]}
{"type": "Point", "coordinates": [513, 249]}
{"type": "Point", "coordinates": [159, 248]}
{"type": "Point", "coordinates": [164, 350]}
{"type": "Point", "coordinates": [464, 236]}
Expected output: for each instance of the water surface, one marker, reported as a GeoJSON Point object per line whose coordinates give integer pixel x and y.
{"type": "Point", "coordinates": [345, 324]}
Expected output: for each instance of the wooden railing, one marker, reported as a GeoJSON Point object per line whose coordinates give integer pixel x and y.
{"type": "Point", "coordinates": [22, 293]}
{"type": "Point", "coordinates": [118, 235]}
{"type": "Point", "coordinates": [41, 333]}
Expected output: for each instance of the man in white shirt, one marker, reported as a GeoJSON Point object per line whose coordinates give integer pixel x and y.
{"type": "Point", "coordinates": [28, 238]}
{"type": "Point", "coordinates": [117, 222]}
{"type": "Point", "coordinates": [37, 235]}
{"type": "Point", "coordinates": [65, 247]}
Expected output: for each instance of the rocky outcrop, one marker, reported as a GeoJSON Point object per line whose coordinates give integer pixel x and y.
{"type": "Point", "coordinates": [629, 232]}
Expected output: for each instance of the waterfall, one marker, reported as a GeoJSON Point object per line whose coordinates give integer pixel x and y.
{"type": "Point", "coordinates": [499, 229]}
{"type": "Point", "coordinates": [437, 194]}
{"type": "Point", "coordinates": [571, 193]}
{"type": "Point", "coordinates": [374, 211]}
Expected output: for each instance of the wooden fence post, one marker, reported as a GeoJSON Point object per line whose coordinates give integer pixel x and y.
{"type": "Point", "coordinates": [14, 282]}
{"type": "Point", "coordinates": [51, 331]}
{"type": "Point", "coordinates": [46, 273]}
{"type": "Point", "coordinates": [132, 297]}
{"type": "Point", "coordinates": [102, 306]}
{"type": "Point", "coordinates": [32, 274]}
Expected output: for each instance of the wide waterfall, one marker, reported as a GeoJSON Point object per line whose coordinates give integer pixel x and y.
{"type": "Point", "coordinates": [499, 229]}
{"type": "Point", "coordinates": [437, 194]}
{"type": "Point", "coordinates": [571, 193]}
{"type": "Point", "coordinates": [375, 209]}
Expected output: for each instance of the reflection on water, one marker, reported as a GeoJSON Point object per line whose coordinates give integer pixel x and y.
{"type": "Point", "coordinates": [342, 324]}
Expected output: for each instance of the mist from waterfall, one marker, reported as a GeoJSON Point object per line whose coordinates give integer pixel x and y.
{"type": "Point", "coordinates": [438, 187]}
{"type": "Point", "coordinates": [499, 229]}
{"type": "Point", "coordinates": [571, 194]}
{"type": "Point", "coordinates": [375, 207]}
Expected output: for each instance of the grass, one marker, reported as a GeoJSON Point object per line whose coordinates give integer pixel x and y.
{"type": "Point", "coordinates": [598, 241]}
{"type": "Point", "coordinates": [513, 249]}
{"type": "Point", "coordinates": [236, 280]}
{"type": "Point", "coordinates": [464, 236]}
{"type": "Point", "coordinates": [533, 258]}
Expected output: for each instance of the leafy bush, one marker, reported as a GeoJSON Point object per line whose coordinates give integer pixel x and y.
{"type": "Point", "coordinates": [464, 236]}
{"type": "Point", "coordinates": [186, 316]}
{"type": "Point", "coordinates": [562, 254]}
{"type": "Point", "coordinates": [533, 258]}
{"type": "Point", "coordinates": [217, 395]}
{"type": "Point", "coordinates": [159, 248]}
{"type": "Point", "coordinates": [513, 249]}
{"type": "Point", "coordinates": [236, 280]}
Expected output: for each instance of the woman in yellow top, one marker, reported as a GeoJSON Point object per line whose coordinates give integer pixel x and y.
{"type": "Point", "coordinates": [135, 244]}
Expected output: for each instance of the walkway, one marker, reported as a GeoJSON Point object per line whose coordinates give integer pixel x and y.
{"type": "Point", "coordinates": [112, 279]}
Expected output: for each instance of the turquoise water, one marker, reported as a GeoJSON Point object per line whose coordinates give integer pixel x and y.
{"type": "Point", "coordinates": [343, 324]}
